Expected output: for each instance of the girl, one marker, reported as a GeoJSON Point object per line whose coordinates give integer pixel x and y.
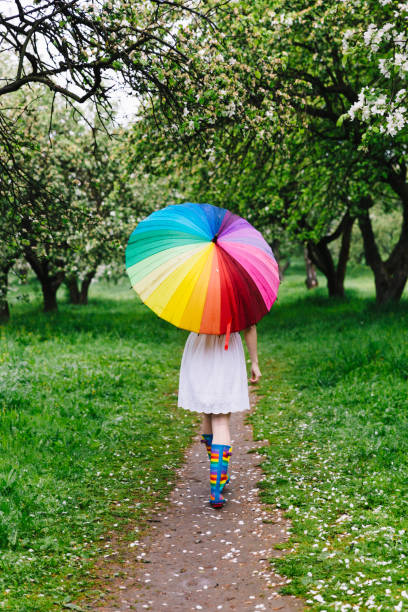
{"type": "Point", "coordinates": [214, 381]}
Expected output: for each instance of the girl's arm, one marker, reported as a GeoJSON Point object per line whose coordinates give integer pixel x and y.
{"type": "Point", "coordinates": [250, 336]}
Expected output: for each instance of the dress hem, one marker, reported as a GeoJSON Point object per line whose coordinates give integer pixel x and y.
{"type": "Point", "coordinates": [213, 409]}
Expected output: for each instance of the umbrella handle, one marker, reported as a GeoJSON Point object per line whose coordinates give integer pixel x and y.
{"type": "Point", "coordinates": [227, 336]}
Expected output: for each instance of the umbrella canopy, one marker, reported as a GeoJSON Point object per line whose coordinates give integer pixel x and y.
{"type": "Point", "coordinates": [202, 268]}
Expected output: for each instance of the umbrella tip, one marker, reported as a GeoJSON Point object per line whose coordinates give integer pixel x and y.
{"type": "Point", "coordinates": [215, 238]}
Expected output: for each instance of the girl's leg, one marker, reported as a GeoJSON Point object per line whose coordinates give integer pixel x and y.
{"type": "Point", "coordinates": [207, 427]}
{"type": "Point", "coordinates": [221, 428]}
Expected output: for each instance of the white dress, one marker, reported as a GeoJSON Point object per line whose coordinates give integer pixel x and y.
{"type": "Point", "coordinates": [212, 379]}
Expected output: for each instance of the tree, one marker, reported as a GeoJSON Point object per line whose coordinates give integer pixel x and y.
{"type": "Point", "coordinates": [83, 50]}
{"type": "Point", "coordinates": [284, 71]}
{"type": "Point", "coordinates": [311, 281]}
{"type": "Point", "coordinates": [71, 47]}
{"type": "Point", "coordinates": [320, 94]}
{"type": "Point", "coordinates": [47, 203]}
{"type": "Point", "coordinates": [79, 208]}
{"type": "Point", "coordinates": [382, 41]}
{"type": "Point", "coordinates": [95, 163]}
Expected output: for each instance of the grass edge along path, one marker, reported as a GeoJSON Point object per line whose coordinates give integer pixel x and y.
{"type": "Point", "coordinates": [333, 407]}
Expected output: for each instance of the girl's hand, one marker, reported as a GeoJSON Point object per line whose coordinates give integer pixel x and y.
{"type": "Point", "coordinates": [255, 373]}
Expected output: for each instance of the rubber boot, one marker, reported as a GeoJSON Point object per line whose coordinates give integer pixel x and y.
{"type": "Point", "coordinates": [220, 456]}
{"type": "Point", "coordinates": [207, 440]}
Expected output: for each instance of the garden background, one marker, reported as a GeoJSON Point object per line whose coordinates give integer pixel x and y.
{"type": "Point", "coordinates": [291, 114]}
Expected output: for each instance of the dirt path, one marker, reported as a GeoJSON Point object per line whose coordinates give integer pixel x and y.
{"type": "Point", "coordinates": [199, 558]}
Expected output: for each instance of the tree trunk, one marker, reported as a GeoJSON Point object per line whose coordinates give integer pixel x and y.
{"type": "Point", "coordinates": [50, 282]}
{"type": "Point", "coordinates": [311, 277]}
{"type": "Point", "coordinates": [282, 266]}
{"type": "Point", "coordinates": [390, 276]}
{"type": "Point", "coordinates": [73, 290]}
{"type": "Point", "coordinates": [85, 287]}
{"type": "Point", "coordinates": [344, 251]}
{"type": "Point", "coordinates": [49, 290]}
{"type": "Point", "coordinates": [321, 256]}
{"type": "Point", "coordinates": [4, 307]}
{"type": "Point", "coordinates": [395, 288]}
{"type": "Point", "coordinates": [79, 295]}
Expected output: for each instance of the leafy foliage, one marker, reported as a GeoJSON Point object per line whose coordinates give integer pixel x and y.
{"type": "Point", "coordinates": [282, 132]}
{"type": "Point", "coordinates": [88, 42]}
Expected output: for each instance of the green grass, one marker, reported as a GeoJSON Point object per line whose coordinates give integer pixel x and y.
{"type": "Point", "coordinates": [89, 438]}
{"type": "Point", "coordinates": [334, 408]}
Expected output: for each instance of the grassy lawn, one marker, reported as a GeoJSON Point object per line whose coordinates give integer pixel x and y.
{"type": "Point", "coordinates": [90, 438]}
{"type": "Point", "coordinates": [334, 408]}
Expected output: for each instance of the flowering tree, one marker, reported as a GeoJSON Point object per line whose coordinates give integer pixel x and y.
{"type": "Point", "coordinates": [382, 41]}
{"type": "Point", "coordinates": [317, 81]}
{"type": "Point", "coordinates": [83, 50]}
{"type": "Point", "coordinates": [291, 68]}
{"type": "Point", "coordinates": [76, 47]}
{"type": "Point", "coordinates": [95, 164]}
{"type": "Point", "coordinates": [80, 206]}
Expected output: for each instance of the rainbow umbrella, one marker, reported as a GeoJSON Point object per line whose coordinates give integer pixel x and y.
{"type": "Point", "coordinates": [202, 268]}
